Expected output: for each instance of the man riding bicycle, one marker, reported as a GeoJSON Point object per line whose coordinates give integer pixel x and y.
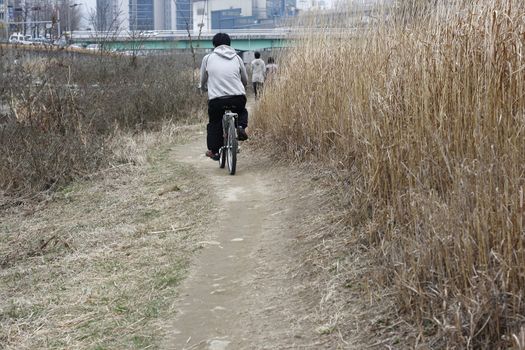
{"type": "Point", "coordinates": [224, 75]}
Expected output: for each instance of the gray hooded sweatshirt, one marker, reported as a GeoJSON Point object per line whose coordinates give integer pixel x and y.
{"type": "Point", "coordinates": [224, 73]}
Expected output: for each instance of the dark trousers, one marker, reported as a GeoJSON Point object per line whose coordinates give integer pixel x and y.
{"type": "Point", "coordinates": [216, 109]}
{"type": "Point", "coordinates": [259, 87]}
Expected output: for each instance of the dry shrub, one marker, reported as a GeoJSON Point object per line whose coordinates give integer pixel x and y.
{"type": "Point", "coordinates": [429, 108]}
{"type": "Point", "coordinates": [60, 111]}
{"type": "Point", "coordinates": [45, 139]}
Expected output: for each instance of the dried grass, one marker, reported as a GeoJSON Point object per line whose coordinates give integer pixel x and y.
{"type": "Point", "coordinates": [61, 112]}
{"type": "Point", "coordinates": [426, 106]}
{"type": "Point", "coordinates": [98, 266]}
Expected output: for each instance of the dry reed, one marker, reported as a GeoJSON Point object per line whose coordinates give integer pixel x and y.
{"type": "Point", "coordinates": [428, 105]}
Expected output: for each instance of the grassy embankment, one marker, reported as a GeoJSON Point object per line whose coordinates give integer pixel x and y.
{"type": "Point", "coordinates": [427, 106]}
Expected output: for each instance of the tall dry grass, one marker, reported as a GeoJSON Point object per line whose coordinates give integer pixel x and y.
{"type": "Point", "coordinates": [428, 105]}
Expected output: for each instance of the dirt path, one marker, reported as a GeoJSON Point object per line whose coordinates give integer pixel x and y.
{"type": "Point", "coordinates": [238, 294]}
{"type": "Point", "coordinates": [168, 251]}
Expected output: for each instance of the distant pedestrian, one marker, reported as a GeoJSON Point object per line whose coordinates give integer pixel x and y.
{"type": "Point", "coordinates": [271, 69]}
{"type": "Point", "coordinates": [258, 70]}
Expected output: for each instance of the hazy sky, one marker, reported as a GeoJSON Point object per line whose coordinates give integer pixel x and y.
{"type": "Point", "coordinates": [86, 7]}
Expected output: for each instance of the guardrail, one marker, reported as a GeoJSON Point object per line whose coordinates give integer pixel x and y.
{"type": "Point", "coordinates": [276, 33]}
{"type": "Point", "coordinates": [130, 34]}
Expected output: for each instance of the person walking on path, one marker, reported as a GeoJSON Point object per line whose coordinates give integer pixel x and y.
{"type": "Point", "coordinates": [224, 76]}
{"type": "Point", "coordinates": [258, 71]}
{"type": "Point", "coordinates": [271, 69]}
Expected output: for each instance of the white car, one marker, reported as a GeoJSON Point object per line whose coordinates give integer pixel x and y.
{"type": "Point", "coordinates": [75, 46]}
{"type": "Point", "coordinates": [60, 42]}
{"type": "Point", "coordinates": [19, 38]}
{"type": "Point", "coordinates": [41, 41]}
{"type": "Point", "coordinates": [93, 47]}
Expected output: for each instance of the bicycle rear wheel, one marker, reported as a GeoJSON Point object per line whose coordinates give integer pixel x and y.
{"type": "Point", "coordinates": [232, 146]}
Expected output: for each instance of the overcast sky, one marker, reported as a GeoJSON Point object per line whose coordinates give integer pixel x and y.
{"type": "Point", "coordinates": [86, 7]}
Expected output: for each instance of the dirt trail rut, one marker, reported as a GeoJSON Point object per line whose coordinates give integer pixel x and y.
{"type": "Point", "coordinates": [238, 294]}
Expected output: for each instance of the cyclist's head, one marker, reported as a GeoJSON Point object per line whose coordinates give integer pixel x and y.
{"type": "Point", "coordinates": [221, 39]}
{"type": "Point", "coordinates": [257, 54]}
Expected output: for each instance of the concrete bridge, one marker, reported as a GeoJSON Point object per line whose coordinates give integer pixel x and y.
{"type": "Point", "coordinates": [356, 16]}
{"type": "Point", "coordinates": [244, 40]}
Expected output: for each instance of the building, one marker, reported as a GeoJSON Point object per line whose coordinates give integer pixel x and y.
{"type": "Point", "coordinates": [246, 14]}
{"type": "Point", "coordinates": [111, 15]}
{"type": "Point", "coordinates": [228, 14]}
{"type": "Point", "coordinates": [20, 11]}
{"type": "Point", "coordinates": [141, 15]}
{"type": "Point", "coordinates": [305, 5]}
{"type": "Point", "coordinates": [200, 15]}
{"type": "Point", "coordinates": [183, 15]}
{"type": "Point", "coordinates": [17, 12]}
{"type": "Point", "coordinates": [163, 14]}
{"type": "Point", "coordinates": [3, 11]}
{"type": "Point", "coordinates": [3, 18]}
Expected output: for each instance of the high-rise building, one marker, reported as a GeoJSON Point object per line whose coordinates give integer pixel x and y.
{"type": "Point", "coordinates": [4, 30]}
{"type": "Point", "coordinates": [111, 15]}
{"type": "Point", "coordinates": [242, 14]}
{"type": "Point", "coordinates": [3, 10]}
{"type": "Point", "coordinates": [259, 9]}
{"type": "Point", "coordinates": [3, 15]}
{"type": "Point", "coordinates": [162, 14]}
{"type": "Point", "coordinates": [141, 15]}
{"type": "Point", "coordinates": [223, 14]}
{"type": "Point", "coordinates": [184, 14]}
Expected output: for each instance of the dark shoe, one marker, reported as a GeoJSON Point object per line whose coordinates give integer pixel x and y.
{"type": "Point", "coordinates": [241, 134]}
{"type": "Point", "coordinates": [214, 156]}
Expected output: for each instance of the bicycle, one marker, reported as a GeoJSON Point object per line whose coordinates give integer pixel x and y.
{"type": "Point", "coordinates": [228, 152]}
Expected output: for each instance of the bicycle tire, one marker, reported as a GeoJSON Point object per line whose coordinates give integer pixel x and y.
{"type": "Point", "coordinates": [232, 147]}
{"type": "Point", "coordinates": [222, 157]}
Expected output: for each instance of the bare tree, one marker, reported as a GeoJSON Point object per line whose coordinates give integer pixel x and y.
{"type": "Point", "coordinates": [188, 24]}
{"type": "Point", "coordinates": [72, 11]}
{"type": "Point", "coordinates": [107, 17]}
{"type": "Point", "coordinates": [107, 20]}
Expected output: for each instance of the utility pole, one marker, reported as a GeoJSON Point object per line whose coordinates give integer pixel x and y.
{"type": "Point", "coordinates": [58, 24]}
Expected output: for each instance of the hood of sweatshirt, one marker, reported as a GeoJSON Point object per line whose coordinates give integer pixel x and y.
{"type": "Point", "coordinates": [225, 51]}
